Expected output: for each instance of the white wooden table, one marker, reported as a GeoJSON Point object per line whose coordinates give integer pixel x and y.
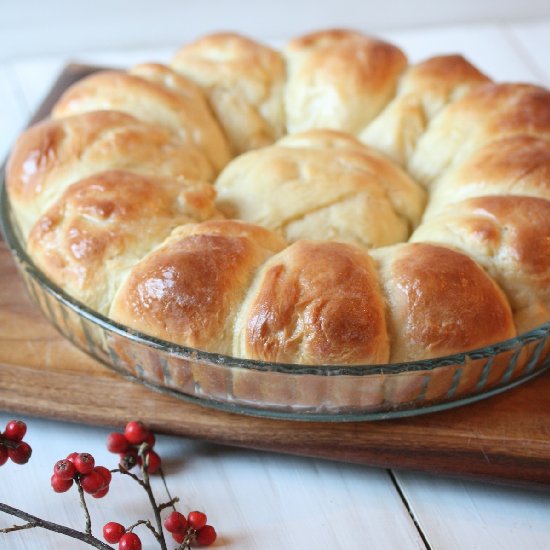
{"type": "Point", "coordinates": [261, 501]}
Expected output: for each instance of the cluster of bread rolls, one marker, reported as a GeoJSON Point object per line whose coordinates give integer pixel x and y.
{"type": "Point", "coordinates": [326, 204]}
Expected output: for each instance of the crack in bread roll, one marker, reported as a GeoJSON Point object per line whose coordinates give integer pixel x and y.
{"type": "Point", "coordinates": [510, 237]}
{"type": "Point", "coordinates": [488, 112]}
{"type": "Point", "coordinates": [190, 288]}
{"type": "Point", "coordinates": [95, 232]}
{"type": "Point", "coordinates": [322, 185]}
{"type": "Point", "coordinates": [339, 79]}
{"type": "Point", "coordinates": [243, 81]}
{"type": "Point", "coordinates": [155, 94]}
{"type": "Point", "coordinates": [439, 302]}
{"type": "Point", "coordinates": [516, 165]}
{"type": "Point", "coordinates": [424, 90]}
{"type": "Point", "coordinates": [314, 303]}
{"type": "Point", "coordinates": [52, 154]}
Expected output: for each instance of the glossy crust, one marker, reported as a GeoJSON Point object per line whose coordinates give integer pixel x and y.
{"type": "Point", "coordinates": [439, 302]}
{"type": "Point", "coordinates": [510, 237]}
{"type": "Point", "coordinates": [339, 79]}
{"type": "Point", "coordinates": [52, 154]}
{"type": "Point", "coordinates": [322, 185]}
{"type": "Point", "coordinates": [487, 113]}
{"type": "Point", "coordinates": [314, 303]}
{"type": "Point", "coordinates": [156, 94]}
{"type": "Point", "coordinates": [95, 232]}
{"type": "Point", "coordinates": [189, 289]}
{"type": "Point", "coordinates": [425, 89]}
{"type": "Point", "coordinates": [516, 165]}
{"type": "Point", "coordinates": [244, 81]}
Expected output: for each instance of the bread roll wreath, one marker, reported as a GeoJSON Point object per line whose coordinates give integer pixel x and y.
{"type": "Point", "coordinates": [326, 204]}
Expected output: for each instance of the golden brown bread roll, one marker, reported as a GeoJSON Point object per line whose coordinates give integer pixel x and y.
{"type": "Point", "coordinates": [339, 79]}
{"type": "Point", "coordinates": [243, 81]}
{"type": "Point", "coordinates": [322, 185]}
{"type": "Point", "coordinates": [425, 89]}
{"type": "Point", "coordinates": [189, 289]}
{"type": "Point", "coordinates": [516, 165]}
{"type": "Point", "coordinates": [440, 302]}
{"type": "Point", "coordinates": [95, 232]}
{"type": "Point", "coordinates": [156, 94]}
{"type": "Point", "coordinates": [510, 237]}
{"type": "Point", "coordinates": [314, 303]}
{"type": "Point", "coordinates": [52, 154]}
{"type": "Point", "coordinates": [489, 112]}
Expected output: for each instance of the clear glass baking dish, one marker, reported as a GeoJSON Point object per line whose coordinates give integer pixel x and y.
{"type": "Point", "coordinates": [298, 392]}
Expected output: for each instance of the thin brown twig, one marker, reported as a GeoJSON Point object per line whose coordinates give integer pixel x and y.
{"type": "Point", "coordinates": [85, 507]}
{"type": "Point", "coordinates": [169, 504]}
{"type": "Point", "coordinates": [18, 527]}
{"type": "Point", "coordinates": [161, 472]}
{"type": "Point", "coordinates": [145, 522]}
{"type": "Point", "coordinates": [55, 527]}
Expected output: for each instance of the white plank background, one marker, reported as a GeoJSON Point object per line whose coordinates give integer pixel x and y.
{"type": "Point", "coordinates": [262, 501]}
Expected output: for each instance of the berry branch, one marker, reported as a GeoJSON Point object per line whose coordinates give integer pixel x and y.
{"type": "Point", "coordinates": [135, 448]}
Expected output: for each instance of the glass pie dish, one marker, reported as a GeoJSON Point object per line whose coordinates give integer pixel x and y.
{"type": "Point", "coordinates": [299, 392]}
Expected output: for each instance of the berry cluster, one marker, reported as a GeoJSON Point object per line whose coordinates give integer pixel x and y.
{"type": "Point", "coordinates": [191, 528]}
{"type": "Point", "coordinates": [114, 532]}
{"type": "Point", "coordinates": [12, 444]}
{"type": "Point", "coordinates": [127, 445]}
{"type": "Point", "coordinates": [80, 467]}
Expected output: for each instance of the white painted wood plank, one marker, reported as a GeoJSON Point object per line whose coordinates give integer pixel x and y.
{"type": "Point", "coordinates": [466, 515]}
{"type": "Point", "coordinates": [256, 501]}
{"type": "Point", "coordinates": [62, 25]}
{"type": "Point", "coordinates": [534, 39]}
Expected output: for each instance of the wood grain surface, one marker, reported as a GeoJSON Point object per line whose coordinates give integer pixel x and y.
{"type": "Point", "coordinates": [503, 439]}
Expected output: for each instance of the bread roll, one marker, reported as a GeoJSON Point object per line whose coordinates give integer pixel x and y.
{"type": "Point", "coordinates": [487, 113]}
{"type": "Point", "coordinates": [510, 237]}
{"type": "Point", "coordinates": [189, 289]}
{"type": "Point", "coordinates": [516, 165]}
{"type": "Point", "coordinates": [339, 79]}
{"type": "Point", "coordinates": [440, 302]}
{"type": "Point", "coordinates": [95, 232]}
{"type": "Point", "coordinates": [322, 185]}
{"type": "Point", "coordinates": [243, 80]}
{"type": "Point", "coordinates": [52, 154]}
{"type": "Point", "coordinates": [425, 89]}
{"type": "Point", "coordinates": [155, 94]}
{"type": "Point", "coordinates": [314, 303]}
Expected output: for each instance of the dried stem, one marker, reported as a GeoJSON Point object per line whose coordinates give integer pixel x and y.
{"type": "Point", "coordinates": [173, 500]}
{"type": "Point", "coordinates": [34, 521]}
{"type": "Point", "coordinates": [169, 504]}
{"type": "Point", "coordinates": [145, 522]}
{"type": "Point", "coordinates": [85, 508]}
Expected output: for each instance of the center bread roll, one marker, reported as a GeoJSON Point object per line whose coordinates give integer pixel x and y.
{"type": "Point", "coordinates": [322, 185]}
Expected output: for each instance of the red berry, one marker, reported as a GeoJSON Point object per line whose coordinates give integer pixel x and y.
{"type": "Point", "coordinates": [101, 493]}
{"type": "Point", "coordinates": [92, 482]}
{"type": "Point", "coordinates": [15, 430]}
{"type": "Point", "coordinates": [129, 541]}
{"type": "Point", "coordinates": [3, 455]}
{"type": "Point", "coordinates": [153, 461]}
{"type": "Point", "coordinates": [150, 439]}
{"type": "Point", "coordinates": [71, 457]}
{"type": "Point", "coordinates": [117, 443]}
{"type": "Point", "coordinates": [64, 469]}
{"type": "Point", "coordinates": [175, 523]}
{"type": "Point", "coordinates": [197, 520]}
{"type": "Point", "coordinates": [112, 531]}
{"type": "Point", "coordinates": [84, 463]}
{"type": "Point", "coordinates": [60, 485]}
{"type": "Point", "coordinates": [21, 453]}
{"type": "Point", "coordinates": [129, 459]}
{"type": "Point", "coordinates": [178, 537]}
{"type": "Point", "coordinates": [136, 433]}
{"type": "Point", "coordinates": [206, 536]}
{"type": "Point", "coordinates": [104, 473]}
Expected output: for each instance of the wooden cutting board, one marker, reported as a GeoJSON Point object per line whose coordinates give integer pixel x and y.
{"type": "Point", "coordinates": [503, 439]}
